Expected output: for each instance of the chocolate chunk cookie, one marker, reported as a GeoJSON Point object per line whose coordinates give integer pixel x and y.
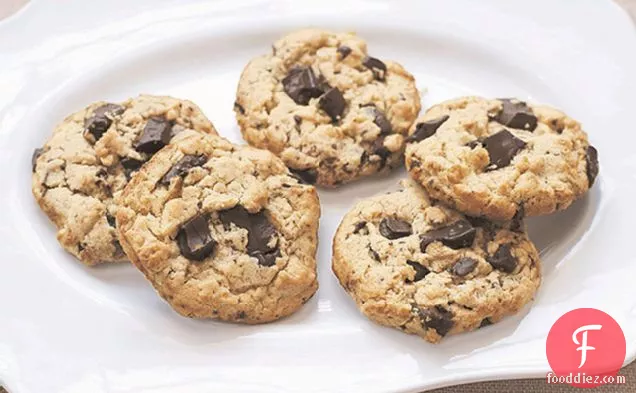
{"type": "Point", "coordinates": [495, 158]}
{"type": "Point", "coordinates": [222, 231]}
{"type": "Point", "coordinates": [89, 159]}
{"type": "Point", "coordinates": [428, 270]}
{"type": "Point", "coordinates": [331, 111]}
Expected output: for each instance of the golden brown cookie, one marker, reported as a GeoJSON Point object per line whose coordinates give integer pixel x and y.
{"type": "Point", "coordinates": [222, 231]}
{"type": "Point", "coordinates": [501, 158]}
{"type": "Point", "coordinates": [331, 111]}
{"type": "Point", "coordinates": [89, 159]}
{"type": "Point", "coordinates": [428, 270]}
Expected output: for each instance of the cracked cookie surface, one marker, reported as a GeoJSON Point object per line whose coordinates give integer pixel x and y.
{"type": "Point", "coordinates": [88, 160]}
{"type": "Point", "coordinates": [498, 158]}
{"type": "Point", "coordinates": [222, 231]}
{"type": "Point", "coordinates": [328, 109]}
{"type": "Point", "coordinates": [428, 270]}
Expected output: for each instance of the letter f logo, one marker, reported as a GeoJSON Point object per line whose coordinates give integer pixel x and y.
{"type": "Point", "coordinates": [584, 347]}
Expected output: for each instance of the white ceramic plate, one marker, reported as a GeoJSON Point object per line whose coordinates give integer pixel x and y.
{"type": "Point", "coordinates": [67, 328]}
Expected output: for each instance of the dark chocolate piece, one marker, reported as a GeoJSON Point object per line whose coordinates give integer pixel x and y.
{"type": "Point", "coordinates": [464, 266]}
{"type": "Point", "coordinates": [516, 114]}
{"type": "Point", "coordinates": [156, 134]}
{"type": "Point", "coordinates": [591, 159]}
{"type": "Point", "coordinates": [426, 129]}
{"type": "Point", "coordinates": [238, 107]}
{"type": "Point", "coordinates": [392, 228]}
{"type": "Point", "coordinates": [111, 220]}
{"type": "Point", "coordinates": [502, 147]}
{"type": "Point", "coordinates": [503, 259]}
{"type": "Point", "coordinates": [438, 319]}
{"type": "Point", "coordinates": [96, 125]}
{"type": "Point", "coordinates": [376, 66]}
{"type": "Point", "coordinates": [333, 103]}
{"type": "Point", "coordinates": [259, 232]}
{"type": "Point", "coordinates": [34, 158]}
{"type": "Point", "coordinates": [380, 120]}
{"type": "Point", "coordinates": [459, 234]}
{"type": "Point", "coordinates": [301, 85]}
{"type": "Point", "coordinates": [420, 270]}
{"type": "Point", "coordinates": [305, 176]}
{"type": "Point", "coordinates": [182, 167]}
{"type": "Point", "coordinates": [359, 226]}
{"type": "Point", "coordinates": [344, 51]}
{"type": "Point", "coordinates": [194, 239]}
{"type": "Point", "coordinates": [130, 165]}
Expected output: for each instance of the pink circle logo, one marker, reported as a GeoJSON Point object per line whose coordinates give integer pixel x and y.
{"type": "Point", "coordinates": [585, 347]}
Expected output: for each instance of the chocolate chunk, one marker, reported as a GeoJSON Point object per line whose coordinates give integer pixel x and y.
{"type": "Point", "coordinates": [301, 85]}
{"type": "Point", "coordinates": [426, 129]}
{"type": "Point", "coordinates": [392, 228]}
{"type": "Point", "coordinates": [259, 232]}
{"type": "Point", "coordinates": [333, 103]}
{"type": "Point", "coordinates": [156, 134]}
{"type": "Point", "coordinates": [34, 158]}
{"type": "Point", "coordinates": [130, 165]}
{"type": "Point", "coordinates": [473, 144]}
{"type": "Point", "coordinates": [374, 254]}
{"type": "Point", "coordinates": [380, 150]}
{"type": "Point", "coordinates": [502, 147]}
{"type": "Point", "coordinates": [298, 119]}
{"type": "Point", "coordinates": [101, 174]}
{"type": "Point", "coordinates": [516, 224]}
{"type": "Point", "coordinates": [479, 222]}
{"type": "Point", "coordinates": [425, 241]}
{"type": "Point", "coordinates": [194, 239]}
{"type": "Point", "coordinates": [376, 66]}
{"type": "Point", "coordinates": [463, 266]}
{"type": "Point", "coordinates": [485, 322]}
{"type": "Point", "coordinates": [438, 319]}
{"type": "Point", "coordinates": [344, 51]}
{"type": "Point", "coordinates": [98, 124]}
{"type": "Point", "coordinates": [239, 108]}
{"type": "Point", "coordinates": [380, 120]}
{"type": "Point", "coordinates": [503, 259]}
{"type": "Point", "coordinates": [182, 167]}
{"type": "Point", "coordinates": [267, 258]}
{"type": "Point", "coordinates": [459, 234]}
{"type": "Point", "coordinates": [420, 271]}
{"type": "Point", "coordinates": [305, 176]}
{"type": "Point", "coordinates": [111, 220]}
{"type": "Point", "coordinates": [359, 226]}
{"type": "Point", "coordinates": [516, 114]}
{"type": "Point", "coordinates": [591, 158]}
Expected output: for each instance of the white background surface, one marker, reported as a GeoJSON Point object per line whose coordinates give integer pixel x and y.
{"type": "Point", "coordinates": [66, 328]}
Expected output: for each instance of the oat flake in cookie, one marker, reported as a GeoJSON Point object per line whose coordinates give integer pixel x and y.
{"type": "Point", "coordinates": [89, 159]}
{"type": "Point", "coordinates": [501, 158]}
{"type": "Point", "coordinates": [428, 270]}
{"type": "Point", "coordinates": [329, 109]}
{"type": "Point", "coordinates": [222, 231]}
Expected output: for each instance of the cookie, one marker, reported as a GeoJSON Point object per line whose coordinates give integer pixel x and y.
{"type": "Point", "coordinates": [428, 270]}
{"type": "Point", "coordinates": [501, 158]}
{"type": "Point", "coordinates": [331, 111]}
{"type": "Point", "coordinates": [89, 159]}
{"type": "Point", "coordinates": [222, 231]}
